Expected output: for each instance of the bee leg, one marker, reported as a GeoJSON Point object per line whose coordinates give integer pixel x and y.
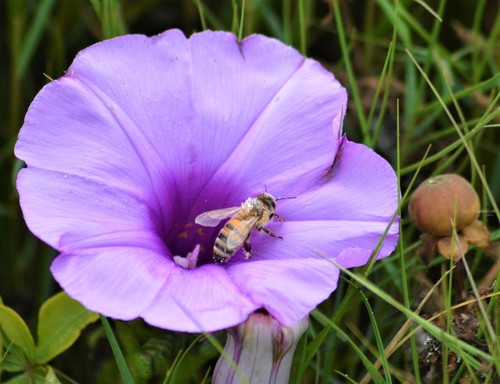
{"type": "Point", "coordinates": [269, 232]}
{"type": "Point", "coordinates": [247, 248]}
{"type": "Point", "coordinates": [279, 218]}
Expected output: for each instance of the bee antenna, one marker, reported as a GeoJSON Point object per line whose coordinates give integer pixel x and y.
{"type": "Point", "coordinates": [285, 198]}
{"type": "Point", "coordinates": [279, 198]}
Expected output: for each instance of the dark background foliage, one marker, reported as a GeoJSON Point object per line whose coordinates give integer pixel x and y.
{"type": "Point", "coordinates": [459, 54]}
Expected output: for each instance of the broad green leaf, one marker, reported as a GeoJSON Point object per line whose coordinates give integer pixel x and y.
{"type": "Point", "coordinates": [36, 375]}
{"type": "Point", "coordinates": [60, 322]}
{"type": "Point", "coordinates": [21, 379]}
{"type": "Point", "coordinates": [16, 331]}
{"type": "Point", "coordinates": [13, 359]}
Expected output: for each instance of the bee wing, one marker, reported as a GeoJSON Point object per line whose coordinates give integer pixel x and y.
{"type": "Point", "coordinates": [240, 231]}
{"type": "Point", "coordinates": [212, 218]}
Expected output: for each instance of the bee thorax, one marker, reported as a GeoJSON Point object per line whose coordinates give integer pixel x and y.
{"type": "Point", "coordinates": [252, 206]}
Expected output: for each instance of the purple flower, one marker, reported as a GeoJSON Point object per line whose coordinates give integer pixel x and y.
{"type": "Point", "coordinates": [143, 134]}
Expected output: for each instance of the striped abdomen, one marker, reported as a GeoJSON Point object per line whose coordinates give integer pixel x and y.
{"type": "Point", "coordinates": [231, 237]}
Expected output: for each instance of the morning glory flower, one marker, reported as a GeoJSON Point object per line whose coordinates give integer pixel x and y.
{"type": "Point", "coordinates": [143, 134]}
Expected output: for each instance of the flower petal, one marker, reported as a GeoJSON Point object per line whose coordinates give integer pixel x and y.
{"type": "Point", "coordinates": [206, 92]}
{"type": "Point", "coordinates": [96, 147]}
{"type": "Point", "coordinates": [119, 282]}
{"type": "Point", "coordinates": [362, 187]}
{"type": "Point", "coordinates": [350, 243]}
{"type": "Point", "coordinates": [199, 300]}
{"type": "Point", "coordinates": [64, 209]}
{"type": "Point", "coordinates": [291, 143]}
{"type": "Point", "coordinates": [200, 93]}
{"type": "Point", "coordinates": [289, 289]}
{"type": "Point", "coordinates": [344, 218]}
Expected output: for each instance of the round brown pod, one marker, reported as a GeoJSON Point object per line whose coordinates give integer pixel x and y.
{"type": "Point", "coordinates": [440, 200]}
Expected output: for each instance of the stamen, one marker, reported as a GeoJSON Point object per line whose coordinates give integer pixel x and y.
{"type": "Point", "coordinates": [191, 259]}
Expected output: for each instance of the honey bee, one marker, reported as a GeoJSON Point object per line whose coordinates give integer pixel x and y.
{"type": "Point", "coordinates": [255, 212]}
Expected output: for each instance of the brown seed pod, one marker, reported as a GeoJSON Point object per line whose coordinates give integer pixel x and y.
{"type": "Point", "coordinates": [438, 200]}
{"type": "Point", "coordinates": [452, 248]}
{"type": "Point", "coordinates": [477, 234]}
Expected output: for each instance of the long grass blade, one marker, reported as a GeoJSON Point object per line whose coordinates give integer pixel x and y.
{"type": "Point", "coordinates": [115, 347]}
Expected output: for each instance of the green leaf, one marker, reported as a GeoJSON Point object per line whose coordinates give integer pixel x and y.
{"type": "Point", "coordinates": [60, 322]}
{"type": "Point", "coordinates": [21, 379]}
{"type": "Point", "coordinates": [36, 375]}
{"type": "Point", "coordinates": [51, 377]}
{"type": "Point", "coordinates": [16, 331]}
{"type": "Point", "coordinates": [14, 359]}
{"type": "Point", "coordinates": [1, 348]}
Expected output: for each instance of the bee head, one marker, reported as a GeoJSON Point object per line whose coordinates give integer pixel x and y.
{"type": "Point", "coordinates": [268, 200]}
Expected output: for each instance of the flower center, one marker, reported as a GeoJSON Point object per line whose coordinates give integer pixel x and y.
{"type": "Point", "coordinates": [186, 236]}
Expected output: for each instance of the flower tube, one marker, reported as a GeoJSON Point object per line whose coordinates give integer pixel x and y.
{"type": "Point", "coordinates": [261, 350]}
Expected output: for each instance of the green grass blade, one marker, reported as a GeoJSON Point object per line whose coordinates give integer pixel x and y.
{"type": "Point", "coordinates": [378, 338]}
{"type": "Point", "coordinates": [463, 138]}
{"type": "Point", "coordinates": [120, 359]}
{"type": "Point", "coordinates": [34, 34]}
{"type": "Point", "coordinates": [110, 17]}
{"type": "Point", "coordinates": [404, 278]}
{"type": "Point", "coordinates": [201, 12]}
{"type": "Point", "coordinates": [376, 376]}
{"type": "Point", "coordinates": [302, 28]}
{"type": "Point", "coordinates": [242, 20]}
{"type": "Point", "coordinates": [360, 113]}
{"type": "Point", "coordinates": [493, 340]}
{"type": "Point", "coordinates": [171, 374]}
{"type": "Point", "coordinates": [453, 343]}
